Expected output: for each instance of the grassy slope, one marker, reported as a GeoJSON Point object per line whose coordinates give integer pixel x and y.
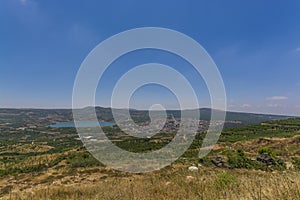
{"type": "Point", "coordinates": [175, 183]}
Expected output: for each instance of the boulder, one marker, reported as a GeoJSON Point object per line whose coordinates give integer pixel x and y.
{"type": "Point", "coordinates": [218, 162]}
{"type": "Point", "coordinates": [193, 168]}
{"type": "Point", "coordinates": [266, 159]}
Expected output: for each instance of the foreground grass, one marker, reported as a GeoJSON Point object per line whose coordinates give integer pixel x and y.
{"type": "Point", "coordinates": [175, 183]}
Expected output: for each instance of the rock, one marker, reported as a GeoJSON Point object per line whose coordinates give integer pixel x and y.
{"type": "Point", "coordinates": [218, 162]}
{"type": "Point", "coordinates": [193, 168]}
{"type": "Point", "coordinates": [266, 159]}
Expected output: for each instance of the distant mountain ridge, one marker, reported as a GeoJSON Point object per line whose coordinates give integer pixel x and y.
{"type": "Point", "coordinates": [44, 116]}
{"type": "Point", "coordinates": [205, 114]}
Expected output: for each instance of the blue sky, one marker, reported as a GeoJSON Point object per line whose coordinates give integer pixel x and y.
{"type": "Point", "coordinates": [255, 44]}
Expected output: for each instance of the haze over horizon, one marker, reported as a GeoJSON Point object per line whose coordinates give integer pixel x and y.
{"type": "Point", "coordinates": [256, 46]}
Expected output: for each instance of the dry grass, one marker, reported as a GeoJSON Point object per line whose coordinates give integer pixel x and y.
{"type": "Point", "coordinates": [176, 183]}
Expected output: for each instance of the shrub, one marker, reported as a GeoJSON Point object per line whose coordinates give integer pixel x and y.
{"type": "Point", "coordinates": [267, 150]}
{"type": "Point", "coordinates": [225, 180]}
{"type": "Point", "coordinates": [238, 159]}
{"type": "Point", "coordinates": [82, 159]}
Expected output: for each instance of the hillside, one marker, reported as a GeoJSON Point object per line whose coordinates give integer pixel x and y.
{"type": "Point", "coordinates": [39, 162]}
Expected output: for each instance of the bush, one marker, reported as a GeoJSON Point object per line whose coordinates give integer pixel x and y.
{"type": "Point", "coordinates": [238, 159]}
{"type": "Point", "coordinates": [82, 159]}
{"type": "Point", "coordinates": [267, 150]}
{"type": "Point", "coordinates": [225, 180]}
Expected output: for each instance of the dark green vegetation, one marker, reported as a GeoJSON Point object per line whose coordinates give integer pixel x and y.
{"type": "Point", "coordinates": [283, 128]}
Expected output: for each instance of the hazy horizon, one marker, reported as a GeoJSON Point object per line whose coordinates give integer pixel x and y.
{"type": "Point", "coordinates": [68, 108]}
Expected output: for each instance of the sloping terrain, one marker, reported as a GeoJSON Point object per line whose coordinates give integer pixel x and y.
{"type": "Point", "coordinates": [39, 162]}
